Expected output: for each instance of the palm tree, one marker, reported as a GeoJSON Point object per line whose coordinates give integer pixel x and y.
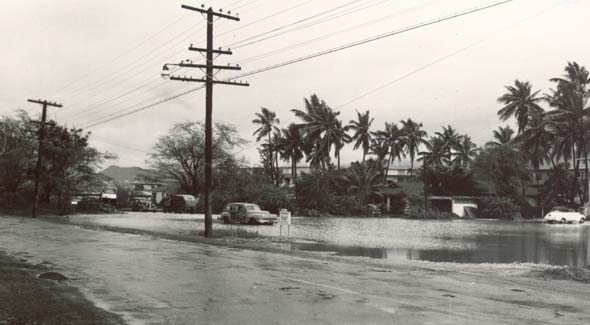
{"type": "Point", "coordinates": [536, 142]}
{"type": "Point", "coordinates": [465, 152]}
{"type": "Point", "coordinates": [435, 152]}
{"type": "Point", "coordinates": [340, 139]}
{"type": "Point", "coordinates": [380, 148]}
{"type": "Point", "coordinates": [292, 147]}
{"type": "Point", "coordinates": [267, 120]}
{"type": "Point", "coordinates": [571, 114]}
{"type": "Point", "coordinates": [413, 137]}
{"type": "Point", "coordinates": [362, 134]}
{"type": "Point", "coordinates": [502, 136]}
{"type": "Point", "coordinates": [320, 129]}
{"type": "Point", "coordinates": [393, 138]}
{"type": "Point", "coordinates": [363, 181]}
{"type": "Point", "coordinates": [451, 141]}
{"type": "Point", "coordinates": [521, 102]}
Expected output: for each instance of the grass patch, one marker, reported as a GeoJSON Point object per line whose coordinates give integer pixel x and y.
{"type": "Point", "coordinates": [25, 299]}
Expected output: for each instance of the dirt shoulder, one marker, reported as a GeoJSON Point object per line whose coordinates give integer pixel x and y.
{"type": "Point", "coordinates": [26, 299]}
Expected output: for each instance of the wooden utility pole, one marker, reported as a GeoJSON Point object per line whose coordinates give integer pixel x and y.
{"type": "Point", "coordinates": [45, 104]}
{"type": "Point", "coordinates": [209, 81]}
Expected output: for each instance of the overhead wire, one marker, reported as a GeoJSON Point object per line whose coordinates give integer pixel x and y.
{"type": "Point", "coordinates": [311, 56]}
{"type": "Point", "coordinates": [259, 20]}
{"type": "Point", "coordinates": [138, 62]}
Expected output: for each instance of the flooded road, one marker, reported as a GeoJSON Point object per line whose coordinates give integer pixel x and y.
{"type": "Point", "coordinates": [149, 280]}
{"type": "Point", "coordinates": [462, 241]}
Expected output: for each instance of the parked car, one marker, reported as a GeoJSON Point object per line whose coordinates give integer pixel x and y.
{"type": "Point", "coordinates": [142, 204]}
{"type": "Point", "coordinates": [246, 213]}
{"type": "Point", "coordinates": [182, 203]}
{"type": "Point", "coordinates": [564, 215]}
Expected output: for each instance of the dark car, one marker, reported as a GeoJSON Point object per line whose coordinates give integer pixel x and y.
{"type": "Point", "coordinates": [246, 213]}
{"type": "Point", "coordinates": [142, 204]}
{"type": "Point", "coordinates": [182, 203]}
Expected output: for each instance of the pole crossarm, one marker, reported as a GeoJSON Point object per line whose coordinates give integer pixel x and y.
{"type": "Point", "coordinates": [221, 82]}
{"type": "Point", "coordinates": [44, 102]}
{"type": "Point", "coordinates": [206, 11]}
{"type": "Point", "coordinates": [212, 66]}
{"type": "Point", "coordinates": [219, 51]}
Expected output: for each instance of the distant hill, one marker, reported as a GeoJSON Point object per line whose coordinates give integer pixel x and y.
{"type": "Point", "coordinates": [122, 174]}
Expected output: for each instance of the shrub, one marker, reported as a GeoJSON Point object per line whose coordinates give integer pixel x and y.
{"type": "Point", "coordinates": [416, 212]}
{"type": "Point", "coordinates": [498, 208]}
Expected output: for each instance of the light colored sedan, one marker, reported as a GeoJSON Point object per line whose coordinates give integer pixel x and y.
{"type": "Point", "coordinates": [564, 215]}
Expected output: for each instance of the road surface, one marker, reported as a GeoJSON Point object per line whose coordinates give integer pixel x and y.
{"type": "Point", "coordinates": [149, 280]}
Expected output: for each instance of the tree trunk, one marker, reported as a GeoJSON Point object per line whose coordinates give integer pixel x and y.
{"type": "Point", "coordinates": [387, 169]}
{"type": "Point", "coordinates": [270, 159]}
{"type": "Point", "coordinates": [277, 165]}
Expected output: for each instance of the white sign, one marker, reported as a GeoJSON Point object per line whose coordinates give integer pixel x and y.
{"type": "Point", "coordinates": [285, 217]}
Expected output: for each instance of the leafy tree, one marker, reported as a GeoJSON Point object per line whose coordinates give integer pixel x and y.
{"type": "Point", "coordinates": [521, 102]}
{"type": "Point", "coordinates": [505, 168]}
{"type": "Point", "coordinates": [362, 133]}
{"type": "Point", "coordinates": [449, 181]}
{"type": "Point", "coordinates": [69, 163]}
{"type": "Point", "coordinates": [557, 190]}
{"type": "Point", "coordinates": [180, 154]}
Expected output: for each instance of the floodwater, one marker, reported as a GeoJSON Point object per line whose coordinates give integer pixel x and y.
{"type": "Point", "coordinates": [462, 241]}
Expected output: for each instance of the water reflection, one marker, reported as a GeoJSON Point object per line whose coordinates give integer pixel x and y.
{"type": "Point", "coordinates": [463, 241]}
{"type": "Point", "coordinates": [524, 243]}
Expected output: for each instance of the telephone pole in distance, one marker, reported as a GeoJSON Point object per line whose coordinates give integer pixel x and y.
{"type": "Point", "coordinates": [209, 81]}
{"type": "Point", "coordinates": [45, 104]}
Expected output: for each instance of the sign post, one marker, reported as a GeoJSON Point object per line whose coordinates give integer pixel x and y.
{"type": "Point", "coordinates": [285, 220]}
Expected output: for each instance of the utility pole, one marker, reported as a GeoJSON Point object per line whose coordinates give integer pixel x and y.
{"type": "Point", "coordinates": [45, 104]}
{"type": "Point", "coordinates": [209, 81]}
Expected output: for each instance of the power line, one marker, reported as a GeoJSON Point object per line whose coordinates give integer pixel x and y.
{"type": "Point", "coordinates": [314, 55]}
{"type": "Point", "coordinates": [116, 74]}
{"type": "Point", "coordinates": [122, 73]}
{"type": "Point", "coordinates": [443, 58]}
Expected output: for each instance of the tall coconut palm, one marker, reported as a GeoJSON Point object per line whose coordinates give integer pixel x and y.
{"type": "Point", "coordinates": [502, 136]}
{"type": "Point", "coordinates": [413, 137]}
{"type": "Point", "coordinates": [465, 152]}
{"type": "Point", "coordinates": [268, 121]}
{"type": "Point", "coordinates": [536, 142]}
{"type": "Point", "coordinates": [451, 140]}
{"type": "Point", "coordinates": [521, 102]}
{"type": "Point", "coordinates": [292, 148]}
{"type": "Point", "coordinates": [340, 138]}
{"type": "Point", "coordinates": [362, 133]}
{"type": "Point", "coordinates": [380, 148]}
{"type": "Point", "coordinates": [435, 154]}
{"type": "Point", "coordinates": [571, 113]}
{"type": "Point", "coordinates": [393, 138]}
{"type": "Point", "coordinates": [320, 129]}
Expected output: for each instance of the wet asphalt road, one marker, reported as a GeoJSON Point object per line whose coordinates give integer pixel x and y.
{"type": "Point", "coordinates": [150, 280]}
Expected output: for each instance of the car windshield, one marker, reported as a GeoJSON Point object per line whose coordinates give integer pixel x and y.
{"type": "Point", "coordinates": [252, 207]}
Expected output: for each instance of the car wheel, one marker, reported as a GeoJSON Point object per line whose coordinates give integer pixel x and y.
{"type": "Point", "coordinates": [252, 221]}
{"type": "Point", "coordinates": [582, 220]}
{"type": "Point", "coordinates": [225, 220]}
{"type": "Point", "coordinates": [563, 220]}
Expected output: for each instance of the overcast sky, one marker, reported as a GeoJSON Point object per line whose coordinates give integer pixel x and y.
{"type": "Point", "coordinates": [103, 58]}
